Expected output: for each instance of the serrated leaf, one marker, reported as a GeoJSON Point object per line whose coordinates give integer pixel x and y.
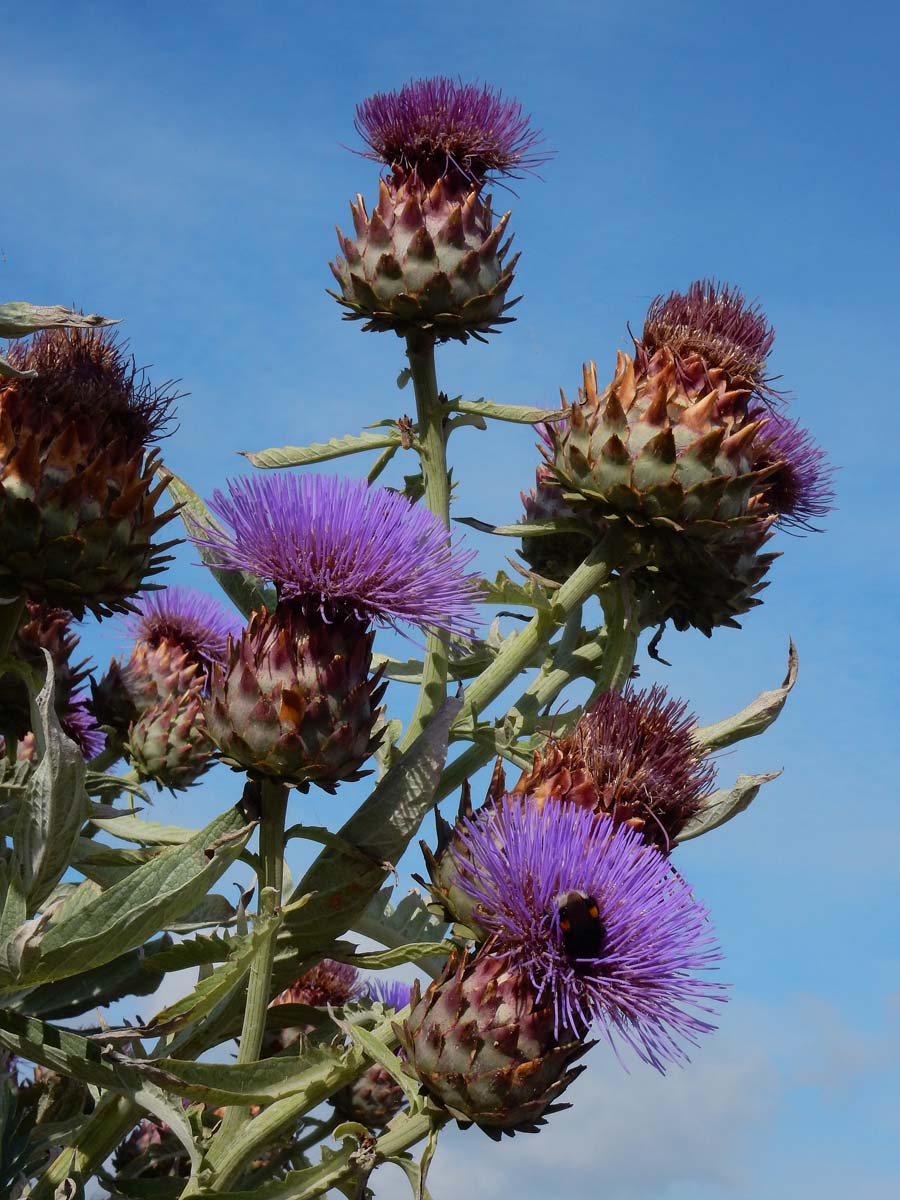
{"type": "Point", "coordinates": [724, 804]}
{"type": "Point", "coordinates": [213, 909]}
{"type": "Point", "coordinates": [55, 804]}
{"type": "Point", "coordinates": [377, 1052]}
{"type": "Point", "coordinates": [19, 318]}
{"type": "Point", "coordinates": [63, 1051]}
{"type": "Point", "coordinates": [130, 974]}
{"type": "Point", "coordinates": [518, 414]}
{"type": "Point", "coordinates": [381, 829]}
{"type": "Point", "coordinates": [395, 925]}
{"type": "Point", "coordinates": [302, 456]}
{"type": "Point", "coordinates": [755, 718]}
{"type": "Point", "coordinates": [525, 528]}
{"type": "Point", "coordinates": [504, 590]}
{"type": "Point", "coordinates": [216, 987]}
{"type": "Point", "coordinates": [246, 591]}
{"type": "Point", "coordinates": [232, 1083]}
{"type": "Point", "coordinates": [149, 833]}
{"type": "Point", "coordinates": [126, 914]}
{"type": "Point", "coordinates": [155, 1100]}
{"type": "Point", "coordinates": [199, 951]}
{"type": "Point", "coordinates": [382, 960]}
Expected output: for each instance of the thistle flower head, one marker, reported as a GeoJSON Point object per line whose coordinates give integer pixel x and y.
{"type": "Point", "coordinates": [716, 322]}
{"type": "Point", "coordinates": [632, 757]}
{"type": "Point", "coordinates": [78, 473]}
{"type": "Point", "coordinates": [346, 547]}
{"type": "Point", "coordinates": [801, 490]}
{"type": "Point", "coordinates": [599, 923]}
{"type": "Point", "coordinates": [327, 983]}
{"type": "Point", "coordinates": [88, 374]}
{"type": "Point", "coordinates": [440, 128]}
{"type": "Point", "coordinates": [190, 619]}
{"type": "Point", "coordinates": [392, 993]}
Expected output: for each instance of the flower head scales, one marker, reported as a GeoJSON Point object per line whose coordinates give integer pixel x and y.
{"type": "Point", "coordinates": [440, 127]}
{"type": "Point", "coordinates": [636, 974]}
{"type": "Point", "coordinates": [344, 545]}
{"type": "Point", "coordinates": [715, 321]}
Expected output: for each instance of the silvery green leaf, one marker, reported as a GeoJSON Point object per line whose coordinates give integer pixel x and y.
{"type": "Point", "coordinates": [92, 929]}
{"type": "Point", "coordinates": [18, 318]}
{"type": "Point", "coordinates": [149, 833]}
{"type": "Point", "coordinates": [396, 956]}
{"type": "Point", "coordinates": [724, 804]}
{"type": "Point", "coordinates": [755, 718]}
{"type": "Point", "coordinates": [216, 987]}
{"type": "Point", "coordinates": [518, 414]}
{"type": "Point", "coordinates": [384, 1056]}
{"type": "Point", "coordinates": [504, 590]}
{"type": "Point", "coordinates": [130, 974]}
{"type": "Point", "coordinates": [301, 456]}
{"type": "Point", "coordinates": [55, 804]}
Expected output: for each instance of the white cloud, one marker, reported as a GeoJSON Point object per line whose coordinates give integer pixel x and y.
{"type": "Point", "coordinates": [627, 1137]}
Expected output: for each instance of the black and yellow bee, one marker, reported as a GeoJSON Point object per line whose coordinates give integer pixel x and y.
{"type": "Point", "coordinates": [582, 929]}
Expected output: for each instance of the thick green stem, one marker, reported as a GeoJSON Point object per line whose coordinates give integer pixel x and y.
{"type": "Point", "coordinates": [622, 633]}
{"type": "Point", "coordinates": [517, 652]}
{"type": "Point", "coordinates": [94, 1142]}
{"type": "Point", "coordinates": [432, 446]}
{"type": "Point", "coordinates": [228, 1159]}
{"type": "Point", "coordinates": [403, 1132]}
{"type": "Point", "coordinates": [271, 877]}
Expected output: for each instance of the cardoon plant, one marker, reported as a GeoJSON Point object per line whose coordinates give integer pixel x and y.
{"type": "Point", "coordinates": [555, 915]}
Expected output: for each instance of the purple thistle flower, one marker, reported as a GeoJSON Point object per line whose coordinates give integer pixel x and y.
{"type": "Point", "coordinates": [392, 993]}
{"type": "Point", "coordinates": [326, 983]}
{"type": "Point", "coordinates": [187, 617]}
{"type": "Point", "coordinates": [80, 724]}
{"type": "Point", "coordinates": [801, 491]}
{"type": "Point", "coordinates": [715, 321]}
{"type": "Point", "coordinates": [439, 127]}
{"type": "Point", "coordinates": [346, 546]}
{"type": "Point", "coordinates": [642, 936]}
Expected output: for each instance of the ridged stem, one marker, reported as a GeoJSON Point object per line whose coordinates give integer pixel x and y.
{"type": "Point", "coordinates": [543, 690]}
{"type": "Point", "coordinates": [432, 446]}
{"type": "Point", "coordinates": [622, 632]}
{"type": "Point", "coordinates": [93, 1143]}
{"type": "Point", "coordinates": [403, 1132]}
{"type": "Point", "coordinates": [228, 1159]}
{"type": "Point", "coordinates": [517, 652]}
{"type": "Point", "coordinates": [271, 879]}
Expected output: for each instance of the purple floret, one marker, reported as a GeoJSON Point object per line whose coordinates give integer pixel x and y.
{"type": "Point", "coordinates": [641, 984]}
{"type": "Point", "coordinates": [717, 322]}
{"type": "Point", "coordinates": [187, 617]}
{"type": "Point", "coordinates": [801, 491]}
{"type": "Point", "coordinates": [439, 126]}
{"type": "Point", "coordinates": [80, 724]}
{"type": "Point", "coordinates": [347, 546]}
{"type": "Point", "coordinates": [392, 993]}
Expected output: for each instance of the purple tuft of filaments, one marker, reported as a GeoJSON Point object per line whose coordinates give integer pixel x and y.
{"type": "Point", "coordinates": [801, 492]}
{"type": "Point", "coordinates": [344, 545]}
{"type": "Point", "coordinates": [189, 618]}
{"type": "Point", "coordinates": [643, 988]}
{"type": "Point", "coordinates": [392, 993]}
{"type": "Point", "coordinates": [438, 125]}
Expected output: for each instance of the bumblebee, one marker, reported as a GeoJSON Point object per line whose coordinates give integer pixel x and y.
{"type": "Point", "coordinates": [583, 932]}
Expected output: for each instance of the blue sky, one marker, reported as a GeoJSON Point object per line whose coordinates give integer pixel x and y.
{"type": "Point", "coordinates": [183, 166]}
